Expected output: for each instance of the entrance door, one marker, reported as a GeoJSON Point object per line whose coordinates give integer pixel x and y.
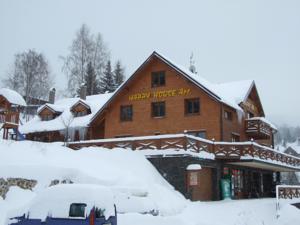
{"type": "Point", "coordinates": [200, 185]}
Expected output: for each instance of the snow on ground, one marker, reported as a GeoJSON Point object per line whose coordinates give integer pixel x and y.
{"type": "Point", "coordinates": [133, 179]}
{"type": "Point", "coordinates": [239, 212]}
{"type": "Point", "coordinates": [137, 186]}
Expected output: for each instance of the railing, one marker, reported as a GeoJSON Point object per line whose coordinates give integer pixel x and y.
{"type": "Point", "coordinates": [10, 117]}
{"type": "Point", "coordinates": [258, 128]}
{"type": "Point", "coordinates": [184, 142]}
{"type": "Point", "coordinates": [286, 192]}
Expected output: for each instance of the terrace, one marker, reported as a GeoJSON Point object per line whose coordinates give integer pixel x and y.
{"type": "Point", "coordinates": [248, 154]}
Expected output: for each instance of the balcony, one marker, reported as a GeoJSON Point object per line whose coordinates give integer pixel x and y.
{"type": "Point", "coordinates": [9, 119]}
{"type": "Point", "coordinates": [249, 154]}
{"type": "Point", "coordinates": [259, 128]}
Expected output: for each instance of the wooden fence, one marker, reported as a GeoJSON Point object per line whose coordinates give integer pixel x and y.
{"type": "Point", "coordinates": [286, 192]}
{"type": "Point", "coordinates": [221, 150]}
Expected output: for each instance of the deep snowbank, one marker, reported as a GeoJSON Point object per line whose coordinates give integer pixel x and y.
{"type": "Point", "coordinates": [138, 187]}
{"type": "Point", "coordinates": [135, 182]}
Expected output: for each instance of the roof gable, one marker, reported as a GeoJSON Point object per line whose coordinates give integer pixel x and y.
{"type": "Point", "coordinates": [254, 96]}
{"type": "Point", "coordinates": [80, 102]}
{"type": "Point", "coordinates": [50, 107]}
{"type": "Point", "coordinates": [12, 96]}
{"type": "Point", "coordinates": [213, 90]}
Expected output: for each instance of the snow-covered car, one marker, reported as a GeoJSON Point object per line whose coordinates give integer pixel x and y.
{"type": "Point", "coordinates": [71, 204]}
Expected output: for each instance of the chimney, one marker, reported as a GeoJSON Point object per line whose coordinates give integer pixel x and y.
{"type": "Point", "coordinates": [83, 92]}
{"type": "Point", "coordinates": [52, 95]}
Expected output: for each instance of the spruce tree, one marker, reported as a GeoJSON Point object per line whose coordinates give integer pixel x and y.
{"type": "Point", "coordinates": [118, 74]}
{"type": "Point", "coordinates": [91, 80]}
{"type": "Point", "coordinates": [107, 81]}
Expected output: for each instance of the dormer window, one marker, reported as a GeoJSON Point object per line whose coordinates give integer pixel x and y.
{"type": "Point", "coordinates": [80, 109]}
{"type": "Point", "coordinates": [47, 117]}
{"type": "Point", "coordinates": [80, 113]}
{"type": "Point", "coordinates": [47, 113]}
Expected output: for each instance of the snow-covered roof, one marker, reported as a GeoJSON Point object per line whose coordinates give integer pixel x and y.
{"type": "Point", "coordinates": [56, 200]}
{"type": "Point", "coordinates": [52, 107]}
{"type": "Point", "coordinates": [12, 96]}
{"type": "Point", "coordinates": [231, 93]}
{"type": "Point", "coordinates": [95, 102]}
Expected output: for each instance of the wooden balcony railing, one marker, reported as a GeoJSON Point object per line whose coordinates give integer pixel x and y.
{"type": "Point", "coordinates": [9, 118]}
{"type": "Point", "coordinates": [183, 142]}
{"type": "Point", "coordinates": [258, 129]}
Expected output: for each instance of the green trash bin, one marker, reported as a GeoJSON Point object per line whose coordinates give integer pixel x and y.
{"type": "Point", "coordinates": [225, 188]}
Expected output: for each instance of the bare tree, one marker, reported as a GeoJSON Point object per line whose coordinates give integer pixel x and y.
{"type": "Point", "coordinates": [67, 123]}
{"type": "Point", "coordinates": [85, 49]}
{"type": "Point", "coordinates": [30, 75]}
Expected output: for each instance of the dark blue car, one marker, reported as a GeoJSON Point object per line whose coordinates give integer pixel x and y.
{"type": "Point", "coordinates": [71, 204]}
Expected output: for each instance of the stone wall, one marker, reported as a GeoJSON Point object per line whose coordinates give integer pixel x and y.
{"type": "Point", "coordinates": [26, 184]}
{"type": "Point", "coordinates": [5, 184]}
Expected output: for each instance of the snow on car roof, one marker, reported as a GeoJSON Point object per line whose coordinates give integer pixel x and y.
{"type": "Point", "coordinates": [12, 96]}
{"type": "Point", "coordinates": [55, 201]}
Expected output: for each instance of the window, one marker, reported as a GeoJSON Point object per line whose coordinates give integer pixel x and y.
{"type": "Point", "coordinates": [250, 115]}
{"type": "Point", "coordinates": [235, 137]}
{"type": "Point", "coordinates": [228, 115]}
{"type": "Point", "coordinates": [126, 113]}
{"type": "Point", "coordinates": [80, 113]}
{"type": "Point", "coordinates": [200, 134]}
{"type": "Point", "coordinates": [123, 136]}
{"type": "Point", "coordinates": [192, 106]}
{"type": "Point", "coordinates": [158, 79]}
{"type": "Point", "coordinates": [158, 109]}
{"type": "Point", "coordinates": [47, 117]}
{"type": "Point", "coordinates": [77, 210]}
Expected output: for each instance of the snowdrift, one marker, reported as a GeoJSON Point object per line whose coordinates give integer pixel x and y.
{"type": "Point", "coordinates": [136, 184]}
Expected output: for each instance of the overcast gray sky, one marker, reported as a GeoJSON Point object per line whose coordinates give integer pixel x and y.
{"type": "Point", "coordinates": [231, 40]}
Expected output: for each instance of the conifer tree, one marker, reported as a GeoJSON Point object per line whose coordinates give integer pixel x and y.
{"type": "Point", "coordinates": [107, 81]}
{"type": "Point", "coordinates": [118, 74]}
{"type": "Point", "coordinates": [91, 80]}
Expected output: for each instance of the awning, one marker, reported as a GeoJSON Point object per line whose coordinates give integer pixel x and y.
{"type": "Point", "coordinates": [253, 163]}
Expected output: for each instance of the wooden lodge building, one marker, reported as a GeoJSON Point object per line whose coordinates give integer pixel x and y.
{"type": "Point", "coordinates": [179, 119]}
{"type": "Point", "coordinates": [10, 105]}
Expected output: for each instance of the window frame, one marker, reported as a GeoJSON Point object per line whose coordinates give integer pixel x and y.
{"type": "Point", "coordinates": [77, 216]}
{"type": "Point", "coordinates": [126, 118]}
{"type": "Point", "coordinates": [152, 109]}
{"type": "Point", "coordinates": [235, 137]}
{"type": "Point", "coordinates": [197, 132]}
{"type": "Point", "coordinates": [250, 115]}
{"type": "Point", "coordinates": [47, 117]}
{"type": "Point", "coordinates": [159, 75]}
{"type": "Point", "coordinates": [186, 108]}
{"type": "Point", "coordinates": [229, 116]}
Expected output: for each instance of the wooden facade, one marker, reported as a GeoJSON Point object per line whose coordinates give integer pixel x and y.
{"type": "Point", "coordinates": [9, 117]}
{"type": "Point", "coordinates": [162, 107]}
{"type": "Point", "coordinates": [215, 119]}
